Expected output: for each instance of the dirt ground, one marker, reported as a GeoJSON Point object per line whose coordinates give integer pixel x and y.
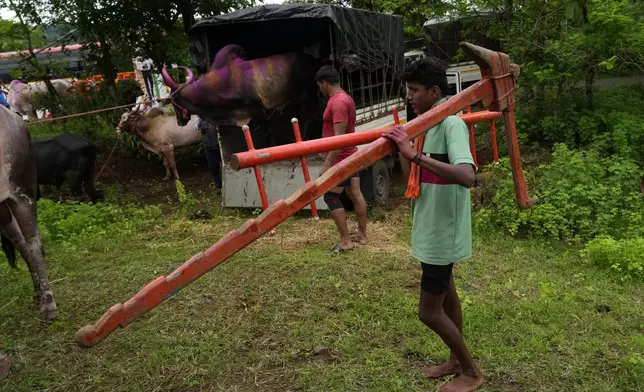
{"type": "Point", "coordinates": [139, 179]}
{"type": "Point", "coordinates": [142, 178]}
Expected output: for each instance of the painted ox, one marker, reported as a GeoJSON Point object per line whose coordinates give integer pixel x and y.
{"type": "Point", "coordinates": [236, 90]}
{"type": "Point", "coordinates": [18, 215]}
{"type": "Point", "coordinates": [21, 95]}
{"type": "Point", "coordinates": [160, 134]}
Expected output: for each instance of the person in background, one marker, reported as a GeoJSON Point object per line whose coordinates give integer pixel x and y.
{"type": "Point", "coordinates": [339, 118]}
{"type": "Point", "coordinates": [145, 66]}
{"type": "Point", "coordinates": [210, 144]}
{"type": "Point", "coordinates": [3, 96]}
{"type": "Point", "coordinates": [441, 176]}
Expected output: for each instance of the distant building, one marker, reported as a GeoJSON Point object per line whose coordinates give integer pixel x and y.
{"type": "Point", "coordinates": [71, 59]}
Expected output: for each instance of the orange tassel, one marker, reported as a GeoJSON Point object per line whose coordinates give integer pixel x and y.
{"type": "Point", "coordinates": [413, 185]}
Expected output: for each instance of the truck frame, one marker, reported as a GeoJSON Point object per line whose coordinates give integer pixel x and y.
{"type": "Point", "coordinates": [366, 47]}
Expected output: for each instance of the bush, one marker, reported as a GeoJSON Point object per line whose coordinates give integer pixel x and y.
{"type": "Point", "coordinates": [71, 224]}
{"type": "Point", "coordinates": [615, 125]}
{"type": "Point", "coordinates": [623, 256]}
{"type": "Point", "coordinates": [581, 195]}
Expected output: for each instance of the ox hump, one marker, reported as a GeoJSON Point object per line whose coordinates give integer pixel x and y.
{"type": "Point", "coordinates": [227, 55]}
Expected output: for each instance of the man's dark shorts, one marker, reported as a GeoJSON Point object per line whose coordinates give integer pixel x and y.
{"type": "Point", "coordinates": [347, 182]}
{"type": "Point", "coordinates": [436, 278]}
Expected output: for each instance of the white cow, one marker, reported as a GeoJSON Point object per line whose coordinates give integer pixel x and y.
{"type": "Point", "coordinates": [160, 134]}
{"type": "Point", "coordinates": [20, 98]}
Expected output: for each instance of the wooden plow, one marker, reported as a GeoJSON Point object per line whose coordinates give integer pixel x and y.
{"type": "Point", "coordinates": [495, 90]}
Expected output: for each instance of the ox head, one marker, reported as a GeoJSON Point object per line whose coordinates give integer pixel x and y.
{"type": "Point", "coordinates": [181, 105]}
{"type": "Point", "coordinates": [129, 119]}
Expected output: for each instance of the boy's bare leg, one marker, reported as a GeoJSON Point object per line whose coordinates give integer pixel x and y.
{"type": "Point", "coordinates": [452, 308]}
{"type": "Point", "coordinates": [432, 314]}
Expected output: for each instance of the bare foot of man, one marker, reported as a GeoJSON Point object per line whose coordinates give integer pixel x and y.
{"type": "Point", "coordinates": [444, 369]}
{"type": "Point", "coordinates": [464, 383]}
{"type": "Point", "coordinates": [360, 238]}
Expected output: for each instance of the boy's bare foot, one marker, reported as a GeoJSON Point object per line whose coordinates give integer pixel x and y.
{"type": "Point", "coordinates": [359, 238]}
{"type": "Point", "coordinates": [444, 369]}
{"type": "Point", "coordinates": [464, 383]}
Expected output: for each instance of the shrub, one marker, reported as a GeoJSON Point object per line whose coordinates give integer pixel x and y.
{"type": "Point", "coordinates": [614, 125]}
{"type": "Point", "coordinates": [71, 224]}
{"type": "Point", "coordinates": [581, 196]}
{"type": "Point", "coordinates": [622, 256]}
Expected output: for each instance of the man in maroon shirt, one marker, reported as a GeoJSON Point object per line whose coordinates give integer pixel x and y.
{"type": "Point", "coordinates": [340, 118]}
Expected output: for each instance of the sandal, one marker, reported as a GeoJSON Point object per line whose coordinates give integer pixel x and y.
{"type": "Point", "coordinates": [338, 249]}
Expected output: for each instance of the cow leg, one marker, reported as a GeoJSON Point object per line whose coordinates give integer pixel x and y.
{"type": "Point", "coordinates": [166, 165]}
{"type": "Point", "coordinates": [11, 231]}
{"type": "Point", "coordinates": [73, 179]}
{"type": "Point", "coordinates": [90, 188]}
{"type": "Point", "coordinates": [169, 153]}
{"type": "Point", "coordinates": [32, 251]}
{"type": "Point", "coordinates": [87, 178]}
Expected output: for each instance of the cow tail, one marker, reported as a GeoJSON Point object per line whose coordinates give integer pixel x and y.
{"type": "Point", "coordinates": [9, 251]}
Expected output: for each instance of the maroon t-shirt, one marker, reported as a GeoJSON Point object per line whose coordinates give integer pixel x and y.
{"type": "Point", "coordinates": [340, 108]}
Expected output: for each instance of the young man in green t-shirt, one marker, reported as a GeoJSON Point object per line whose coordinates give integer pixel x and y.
{"type": "Point", "coordinates": [441, 229]}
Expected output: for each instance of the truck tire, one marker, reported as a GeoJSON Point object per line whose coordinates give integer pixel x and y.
{"type": "Point", "coordinates": [376, 183]}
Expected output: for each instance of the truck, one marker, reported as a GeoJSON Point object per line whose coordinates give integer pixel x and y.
{"type": "Point", "coordinates": [367, 48]}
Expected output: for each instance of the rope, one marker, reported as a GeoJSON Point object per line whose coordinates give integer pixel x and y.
{"type": "Point", "coordinates": [118, 138]}
{"type": "Point", "coordinates": [90, 112]}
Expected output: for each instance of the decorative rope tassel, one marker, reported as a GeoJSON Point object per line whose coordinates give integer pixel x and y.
{"type": "Point", "coordinates": [413, 185]}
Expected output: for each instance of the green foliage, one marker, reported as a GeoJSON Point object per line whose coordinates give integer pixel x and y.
{"type": "Point", "coordinates": [622, 256]}
{"type": "Point", "coordinates": [187, 201]}
{"type": "Point", "coordinates": [581, 196]}
{"type": "Point", "coordinates": [70, 224]}
{"type": "Point", "coordinates": [12, 37]}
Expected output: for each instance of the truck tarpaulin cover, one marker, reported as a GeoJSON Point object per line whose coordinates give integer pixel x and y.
{"type": "Point", "coordinates": [360, 39]}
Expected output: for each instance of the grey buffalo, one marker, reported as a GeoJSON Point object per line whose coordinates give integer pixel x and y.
{"type": "Point", "coordinates": [18, 208]}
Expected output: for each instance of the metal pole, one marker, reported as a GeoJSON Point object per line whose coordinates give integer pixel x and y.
{"type": "Point", "coordinates": [396, 117]}
{"type": "Point", "coordinates": [258, 173]}
{"type": "Point", "coordinates": [495, 147]}
{"type": "Point", "coordinates": [472, 139]}
{"type": "Point", "coordinates": [264, 156]}
{"type": "Point", "coordinates": [305, 165]}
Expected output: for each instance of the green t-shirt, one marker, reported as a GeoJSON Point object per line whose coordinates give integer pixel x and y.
{"type": "Point", "coordinates": [442, 228]}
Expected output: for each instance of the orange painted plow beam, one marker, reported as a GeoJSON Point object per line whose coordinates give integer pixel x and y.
{"type": "Point", "coordinates": [496, 90]}
{"type": "Point", "coordinates": [243, 160]}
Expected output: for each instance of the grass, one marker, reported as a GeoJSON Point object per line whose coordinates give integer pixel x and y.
{"type": "Point", "coordinates": [536, 317]}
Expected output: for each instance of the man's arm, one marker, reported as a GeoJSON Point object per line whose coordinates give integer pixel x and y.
{"type": "Point", "coordinates": [459, 173]}
{"type": "Point", "coordinates": [338, 129]}
{"type": "Point", "coordinates": [405, 166]}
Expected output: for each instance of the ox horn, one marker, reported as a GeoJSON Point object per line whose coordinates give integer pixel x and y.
{"type": "Point", "coordinates": [190, 77]}
{"type": "Point", "coordinates": [168, 80]}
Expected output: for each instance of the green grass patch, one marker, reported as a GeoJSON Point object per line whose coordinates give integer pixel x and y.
{"type": "Point", "coordinates": [537, 318]}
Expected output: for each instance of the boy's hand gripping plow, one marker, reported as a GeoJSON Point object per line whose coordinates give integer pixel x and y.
{"type": "Point", "coordinates": [496, 90]}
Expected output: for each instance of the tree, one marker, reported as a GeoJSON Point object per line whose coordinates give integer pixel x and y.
{"type": "Point", "coordinates": [117, 31]}
{"type": "Point", "coordinates": [28, 14]}
{"type": "Point", "coordinates": [103, 26]}
{"type": "Point", "coordinates": [12, 36]}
